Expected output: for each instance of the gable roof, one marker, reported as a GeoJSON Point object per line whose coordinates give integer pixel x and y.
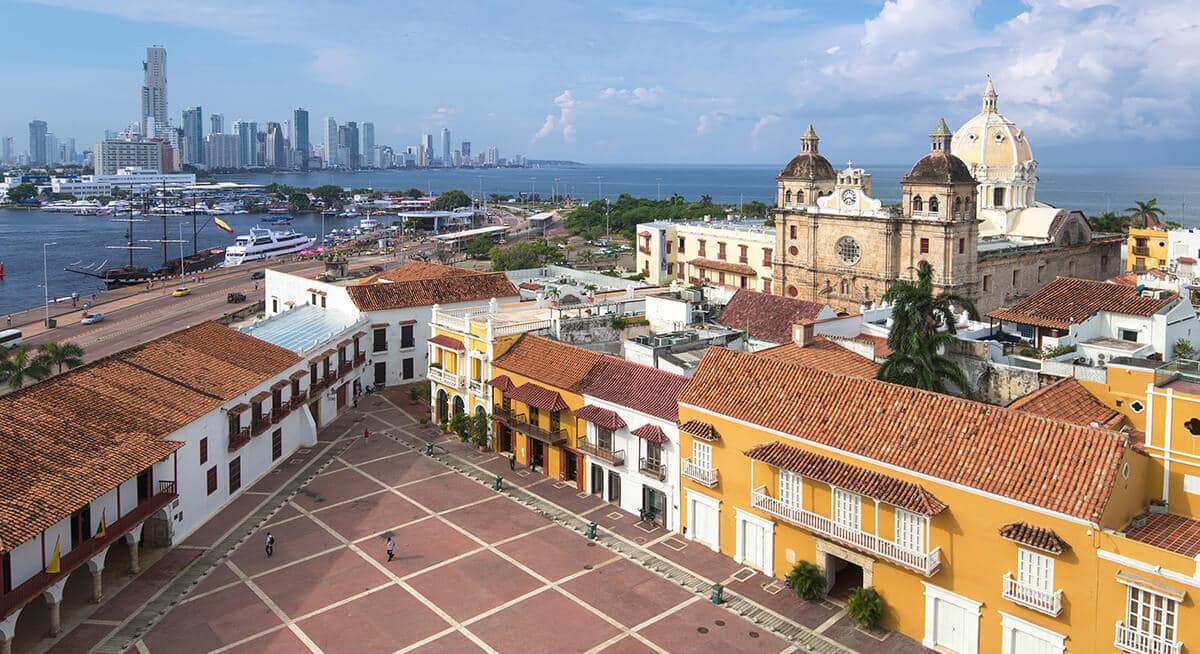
{"type": "Point", "coordinates": [1036, 537]}
{"type": "Point", "coordinates": [642, 388]}
{"type": "Point", "coordinates": [538, 397]}
{"type": "Point", "coordinates": [1061, 467]}
{"type": "Point", "coordinates": [417, 270]}
{"type": "Point", "coordinates": [1068, 400]}
{"type": "Point", "coordinates": [826, 355]}
{"type": "Point", "coordinates": [767, 317]}
{"type": "Point", "coordinates": [549, 361]}
{"type": "Point", "coordinates": [382, 296]}
{"type": "Point", "coordinates": [1068, 301]}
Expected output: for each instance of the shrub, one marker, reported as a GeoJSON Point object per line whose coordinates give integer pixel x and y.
{"type": "Point", "coordinates": [865, 607]}
{"type": "Point", "coordinates": [479, 430]}
{"type": "Point", "coordinates": [807, 580]}
{"type": "Point", "coordinates": [460, 423]}
{"type": "Point", "coordinates": [414, 394]}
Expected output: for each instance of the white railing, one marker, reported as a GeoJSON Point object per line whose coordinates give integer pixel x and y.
{"type": "Point", "coordinates": [699, 474]}
{"type": "Point", "coordinates": [442, 377]}
{"type": "Point", "coordinates": [1048, 602]}
{"type": "Point", "coordinates": [476, 386]}
{"type": "Point", "coordinates": [926, 563]}
{"type": "Point", "coordinates": [1140, 642]}
{"type": "Point", "coordinates": [522, 327]}
{"type": "Point", "coordinates": [459, 324]}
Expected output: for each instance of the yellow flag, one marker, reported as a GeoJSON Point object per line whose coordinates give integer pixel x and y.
{"type": "Point", "coordinates": [101, 531]}
{"type": "Point", "coordinates": [55, 566]}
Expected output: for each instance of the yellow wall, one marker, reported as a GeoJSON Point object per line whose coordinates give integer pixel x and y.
{"type": "Point", "coordinates": [553, 457]}
{"type": "Point", "coordinates": [1155, 254]}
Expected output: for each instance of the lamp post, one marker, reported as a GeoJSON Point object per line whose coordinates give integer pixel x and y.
{"type": "Point", "coordinates": [46, 283]}
{"type": "Point", "coordinates": [181, 251]}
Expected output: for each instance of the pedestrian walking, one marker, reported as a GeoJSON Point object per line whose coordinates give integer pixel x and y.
{"type": "Point", "coordinates": [93, 298]}
{"type": "Point", "coordinates": [256, 286]}
{"type": "Point", "coordinates": [10, 320]}
{"type": "Point", "coordinates": [75, 298]}
{"type": "Point", "coordinates": [366, 437]}
{"type": "Point", "coordinates": [270, 544]}
{"type": "Point", "coordinates": [512, 460]}
{"type": "Point", "coordinates": [391, 548]}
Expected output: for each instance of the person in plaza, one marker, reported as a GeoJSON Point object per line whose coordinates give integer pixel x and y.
{"type": "Point", "coordinates": [512, 460]}
{"type": "Point", "coordinates": [391, 548]}
{"type": "Point", "coordinates": [366, 437]}
{"type": "Point", "coordinates": [10, 320]}
{"type": "Point", "coordinates": [270, 544]}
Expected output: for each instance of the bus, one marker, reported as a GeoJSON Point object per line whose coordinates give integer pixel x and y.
{"type": "Point", "coordinates": [10, 338]}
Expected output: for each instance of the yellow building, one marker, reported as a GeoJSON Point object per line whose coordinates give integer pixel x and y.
{"type": "Point", "coordinates": [983, 529]}
{"type": "Point", "coordinates": [1146, 249]}
{"type": "Point", "coordinates": [733, 253]}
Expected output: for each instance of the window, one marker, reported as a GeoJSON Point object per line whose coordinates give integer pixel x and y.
{"type": "Point", "coordinates": [669, 247]}
{"type": "Point", "coordinates": [1137, 406]}
{"type": "Point", "coordinates": [203, 450]}
{"type": "Point", "coordinates": [670, 269]}
{"type": "Point", "coordinates": [702, 247]}
{"type": "Point", "coordinates": [998, 197]}
{"type": "Point", "coordinates": [406, 368]}
{"type": "Point", "coordinates": [924, 246]}
{"type": "Point", "coordinates": [604, 439]}
{"type": "Point", "coordinates": [702, 455]}
{"type": "Point", "coordinates": [788, 201]}
{"type": "Point", "coordinates": [1151, 614]}
{"type": "Point", "coordinates": [742, 281]}
{"type": "Point", "coordinates": [1130, 335]}
{"type": "Point", "coordinates": [295, 388]}
{"type": "Point", "coordinates": [848, 250]}
{"type": "Point", "coordinates": [406, 337]}
{"type": "Point", "coordinates": [767, 256]}
{"type": "Point", "coordinates": [721, 277]}
{"type": "Point", "coordinates": [962, 245]}
{"type": "Point", "coordinates": [744, 253]}
{"type": "Point", "coordinates": [933, 204]}
{"type": "Point", "coordinates": [313, 299]}
{"type": "Point", "coordinates": [379, 339]}
{"type": "Point", "coordinates": [766, 286]}
{"type": "Point", "coordinates": [910, 531]}
{"type": "Point", "coordinates": [235, 424]}
{"type": "Point", "coordinates": [958, 206]}
{"type": "Point", "coordinates": [1104, 261]}
{"type": "Point", "coordinates": [555, 421]}
{"type": "Point", "coordinates": [1015, 278]}
{"type": "Point", "coordinates": [987, 283]}
{"type": "Point", "coordinates": [1041, 269]}
{"type": "Point", "coordinates": [654, 452]}
{"type": "Point", "coordinates": [917, 205]}
{"type": "Point", "coordinates": [276, 444]}
{"type": "Point", "coordinates": [791, 488]}
{"type": "Point", "coordinates": [721, 250]}
{"type": "Point", "coordinates": [681, 242]}
{"type": "Point", "coordinates": [322, 301]}
{"type": "Point", "coordinates": [235, 475]}
{"type": "Point", "coordinates": [312, 373]}
{"type": "Point", "coordinates": [211, 477]}
{"type": "Point", "coordinates": [1036, 570]}
{"type": "Point", "coordinates": [792, 232]}
{"type": "Point", "coordinates": [533, 415]}
{"type": "Point", "coordinates": [847, 509]}
{"type": "Point", "coordinates": [274, 305]}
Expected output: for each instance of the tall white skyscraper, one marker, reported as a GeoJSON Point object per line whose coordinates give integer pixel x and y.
{"type": "Point", "coordinates": [154, 93]}
{"type": "Point", "coordinates": [218, 123]}
{"type": "Point", "coordinates": [446, 146]}
{"type": "Point", "coordinates": [368, 144]}
{"type": "Point", "coordinates": [331, 142]}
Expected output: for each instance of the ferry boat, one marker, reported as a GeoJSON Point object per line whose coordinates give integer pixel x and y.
{"type": "Point", "coordinates": [368, 224]}
{"type": "Point", "coordinates": [264, 243]}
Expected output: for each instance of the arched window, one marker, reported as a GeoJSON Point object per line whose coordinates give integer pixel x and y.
{"type": "Point", "coordinates": [958, 206]}
{"type": "Point", "coordinates": [800, 197]}
{"type": "Point", "coordinates": [917, 205]}
{"type": "Point", "coordinates": [845, 287]}
{"type": "Point", "coordinates": [788, 201]}
{"type": "Point", "coordinates": [933, 204]}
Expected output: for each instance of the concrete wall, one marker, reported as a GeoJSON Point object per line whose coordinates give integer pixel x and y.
{"type": "Point", "coordinates": [1036, 267]}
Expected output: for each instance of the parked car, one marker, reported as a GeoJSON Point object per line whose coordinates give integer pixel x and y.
{"type": "Point", "coordinates": [181, 291]}
{"type": "Point", "coordinates": [91, 318]}
{"type": "Point", "coordinates": [258, 274]}
{"type": "Point", "coordinates": [235, 297]}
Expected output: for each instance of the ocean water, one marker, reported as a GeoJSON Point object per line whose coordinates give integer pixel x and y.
{"type": "Point", "coordinates": [85, 238]}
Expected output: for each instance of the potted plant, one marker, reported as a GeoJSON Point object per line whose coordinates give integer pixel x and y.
{"type": "Point", "coordinates": [553, 293]}
{"type": "Point", "coordinates": [459, 424]}
{"type": "Point", "coordinates": [479, 431]}
{"type": "Point", "coordinates": [424, 422]}
{"type": "Point", "coordinates": [865, 607]}
{"type": "Point", "coordinates": [807, 581]}
{"type": "Point", "coordinates": [1138, 521]}
{"type": "Point", "coordinates": [1158, 506]}
{"type": "Point", "coordinates": [414, 394]}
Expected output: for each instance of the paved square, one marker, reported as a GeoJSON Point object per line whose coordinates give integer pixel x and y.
{"type": "Point", "coordinates": [572, 629]}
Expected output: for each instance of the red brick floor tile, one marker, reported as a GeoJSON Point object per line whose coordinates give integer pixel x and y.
{"type": "Point", "coordinates": [628, 525]}
{"type": "Point", "coordinates": [378, 446]}
{"type": "Point", "coordinates": [146, 585]}
{"type": "Point", "coordinates": [567, 497]}
{"type": "Point", "coordinates": [473, 585]}
{"type": "Point", "coordinates": [569, 626]}
{"type": "Point", "coordinates": [421, 545]}
{"type": "Point", "coordinates": [333, 488]}
{"type": "Point", "coordinates": [627, 591]}
{"type": "Point", "coordinates": [771, 593]}
{"type": "Point", "coordinates": [703, 627]}
{"type": "Point", "coordinates": [81, 639]}
{"type": "Point", "coordinates": [628, 645]}
{"type": "Point", "coordinates": [369, 515]}
{"type": "Point", "coordinates": [384, 621]}
{"type": "Point", "coordinates": [844, 632]}
{"type": "Point", "coordinates": [211, 622]}
{"type": "Point", "coordinates": [285, 512]}
{"type": "Point", "coordinates": [294, 540]}
{"type": "Point", "coordinates": [556, 552]}
{"type": "Point", "coordinates": [494, 522]}
{"type": "Point", "coordinates": [696, 557]}
{"type": "Point", "coordinates": [318, 582]}
{"type": "Point", "coordinates": [220, 576]}
{"type": "Point", "coordinates": [447, 492]}
{"type": "Point", "coordinates": [404, 469]}
{"type": "Point", "coordinates": [280, 641]}
{"type": "Point", "coordinates": [453, 643]}
{"type": "Point", "coordinates": [226, 519]}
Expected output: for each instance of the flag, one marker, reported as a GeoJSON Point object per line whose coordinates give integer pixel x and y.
{"type": "Point", "coordinates": [101, 531]}
{"type": "Point", "coordinates": [221, 225]}
{"type": "Point", "coordinates": [55, 566]}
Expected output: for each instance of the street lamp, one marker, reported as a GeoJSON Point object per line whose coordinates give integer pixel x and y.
{"type": "Point", "coordinates": [46, 282]}
{"type": "Point", "coordinates": [181, 252]}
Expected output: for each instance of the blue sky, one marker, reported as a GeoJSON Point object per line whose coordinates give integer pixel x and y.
{"type": "Point", "coordinates": [1103, 83]}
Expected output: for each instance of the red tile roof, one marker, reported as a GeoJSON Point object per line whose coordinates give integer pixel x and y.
{"type": "Point", "coordinates": [1061, 467]}
{"type": "Point", "coordinates": [1131, 278]}
{"type": "Point", "coordinates": [503, 383]}
{"type": "Point", "coordinates": [599, 417]}
{"type": "Point", "coordinates": [1168, 531]}
{"type": "Point", "coordinates": [1035, 537]}
{"type": "Point", "coordinates": [448, 342]}
{"type": "Point", "coordinates": [641, 388]}
{"type": "Point", "coordinates": [551, 362]}
{"type": "Point", "coordinates": [767, 317]}
{"type": "Point", "coordinates": [727, 266]}
{"type": "Point", "coordinates": [1068, 301]}
{"type": "Point", "coordinates": [536, 396]}
{"type": "Point", "coordinates": [904, 494]}
{"type": "Point", "coordinates": [826, 355]}
{"type": "Point", "coordinates": [701, 430]}
{"type": "Point", "coordinates": [417, 270]}
{"type": "Point", "coordinates": [652, 433]}
{"type": "Point", "coordinates": [1069, 401]}
{"type": "Point", "coordinates": [382, 296]}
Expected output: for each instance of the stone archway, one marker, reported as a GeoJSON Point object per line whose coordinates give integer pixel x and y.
{"type": "Point", "coordinates": [32, 625]}
{"type": "Point", "coordinates": [443, 409]}
{"type": "Point", "coordinates": [158, 530]}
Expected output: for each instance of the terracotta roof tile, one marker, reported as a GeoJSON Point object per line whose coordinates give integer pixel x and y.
{"type": "Point", "coordinates": [876, 485]}
{"type": "Point", "coordinates": [599, 417]}
{"type": "Point", "coordinates": [382, 296]}
{"type": "Point", "coordinates": [652, 433]}
{"type": "Point", "coordinates": [641, 388]}
{"type": "Point", "coordinates": [701, 430]}
{"type": "Point", "coordinates": [1068, 301]}
{"type": "Point", "coordinates": [536, 396]}
{"type": "Point", "coordinates": [1061, 467]}
{"type": "Point", "coordinates": [551, 362]}
{"type": "Point", "coordinates": [417, 270]}
{"type": "Point", "coordinates": [1069, 401]}
{"type": "Point", "coordinates": [502, 382]}
{"type": "Point", "coordinates": [767, 317]}
{"type": "Point", "coordinates": [448, 342]}
{"type": "Point", "coordinates": [1035, 537]}
{"type": "Point", "coordinates": [826, 355]}
{"type": "Point", "coordinates": [727, 266]}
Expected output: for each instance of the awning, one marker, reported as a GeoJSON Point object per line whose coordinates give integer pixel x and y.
{"type": "Point", "coordinates": [326, 354]}
{"type": "Point", "coordinates": [538, 397]}
{"type": "Point", "coordinates": [701, 430]}
{"type": "Point", "coordinates": [379, 325]}
{"type": "Point", "coordinates": [240, 408]}
{"type": "Point", "coordinates": [599, 417]}
{"type": "Point", "coordinates": [448, 343]}
{"type": "Point", "coordinates": [346, 343]}
{"type": "Point", "coordinates": [259, 397]}
{"type": "Point", "coordinates": [725, 266]}
{"type": "Point", "coordinates": [502, 383]}
{"type": "Point", "coordinates": [359, 334]}
{"type": "Point", "coordinates": [1035, 537]}
{"type": "Point", "coordinates": [1150, 585]}
{"type": "Point", "coordinates": [282, 383]}
{"type": "Point", "coordinates": [651, 433]}
{"type": "Point", "coordinates": [299, 374]}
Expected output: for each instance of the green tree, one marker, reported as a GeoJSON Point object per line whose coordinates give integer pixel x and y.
{"type": "Point", "coordinates": [865, 607]}
{"type": "Point", "coordinates": [524, 254]}
{"type": "Point", "coordinates": [328, 194]}
{"type": "Point", "coordinates": [22, 192]}
{"type": "Point", "coordinates": [451, 200]}
{"type": "Point", "coordinates": [479, 429]}
{"type": "Point", "coordinates": [1183, 349]}
{"type": "Point", "coordinates": [1146, 214]}
{"type": "Point", "coordinates": [479, 247]}
{"type": "Point", "coordinates": [922, 331]}
{"type": "Point", "coordinates": [60, 355]}
{"type": "Point", "coordinates": [414, 193]}
{"type": "Point", "coordinates": [299, 202]}
{"type": "Point", "coordinates": [755, 209]}
{"type": "Point", "coordinates": [1109, 222]}
{"type": "Point", "coordinates": [17, 368]}
{"type": "Point", "coordinates": [119, 193]}
{"type": "Point", "coordinates": [374, 195]}
{"type": "Point", "coordinates": [807, 581]}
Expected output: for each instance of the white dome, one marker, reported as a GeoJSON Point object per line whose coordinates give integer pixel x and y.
{"type": "Point", "coordinates": [992, 146]}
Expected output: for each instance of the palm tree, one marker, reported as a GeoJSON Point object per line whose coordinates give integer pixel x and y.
{"type": "Point", "coordinates": [18, 367]}
{"type": "Point", "coordinates": [922, 331]}
{"type": "Point", "coordinates": [1109, 222]}
{"type": "Point", "coordinates": [1147, 214]}
{"type": "Point", "coordinates": [60, 355]}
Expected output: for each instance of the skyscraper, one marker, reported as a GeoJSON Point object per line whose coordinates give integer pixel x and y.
{"type": "Point", "coordinates": [331, 142]}
{"type": "Point", "coordinates": [52, 149]}
{"type": "Point", "coordinates": [276, 153]}
{"type": "Point", "coordinates": [427, 141]}
{"type": "Point", "coordinates": [193, 135]}
{"type": "Point", "coordinates": [445, 146]}
{"type": "Point", "coordinates": [301, 144]}
{"type": "Point", "coordinates": [368, 145]}
{"type": "Point", "coordinates": [6, 150]}
{"type": "Point", "coordinates": [222, 151]}
{"type": "Point", "coordinates": [218, 124]}
{"type": "Point", "coordinates": [247, 133]}
{"type": "Point", "coordinates": [466, 151]}
{"type": "Point", "coordinates": [154, 92]}
{"type": "Point", "coordinates": [352, 142]}
{"type": "Point", "coordinates": [37, 143]}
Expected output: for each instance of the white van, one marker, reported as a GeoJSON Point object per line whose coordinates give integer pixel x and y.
{"type": "Point", "coordinates": [10, 338]}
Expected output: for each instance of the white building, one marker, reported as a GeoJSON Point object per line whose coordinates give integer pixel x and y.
{"type": "Point", "coordinates": [84, 188]}
{"type": "Point", "coordinates": [221, 151]}
{"type": "Point", "coordinates": [734, 253]}
{"type": "Point", "coordinates": [138, 177]}
{"type": "Point", "coordinates": [109, 156]}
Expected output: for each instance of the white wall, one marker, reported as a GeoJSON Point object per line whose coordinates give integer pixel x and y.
{"type": "Point", "coordinates": [285, 287]}
{"type": "Point", "coordinates": [667, 314]}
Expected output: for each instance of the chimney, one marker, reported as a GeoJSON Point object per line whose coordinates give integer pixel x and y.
{"type": "Point", "coordinates": [802, 333]}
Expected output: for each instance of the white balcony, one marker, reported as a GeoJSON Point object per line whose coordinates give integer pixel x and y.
{"type": "Point", "coordinates": [699, 474]}
{"type": "Point", "coordinates": [1048, 602]}
{"type": "Point", "coordinates": [446, 378]}
{"type": "Point", "coordinates": [924, 562]}
{"type": "Point", "coordinates": [1140, 642]}
{"type": "Point", "coordinates": [476, 387]}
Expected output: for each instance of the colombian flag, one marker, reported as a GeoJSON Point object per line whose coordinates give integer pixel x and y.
{"type": "Point", "coordinates": [101, 531]}
{"type": "Point", "coordinates": [55, 566]}
{"type": "Point", "coordinates": [222, 226]}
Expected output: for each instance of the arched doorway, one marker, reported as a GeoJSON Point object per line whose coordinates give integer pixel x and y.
{"type": "Point", "coordinates": [33, 625]}
{"type": "Point", "coordinates": [459, 407]}
{"type": "Point", "coordinates": [442, 407]}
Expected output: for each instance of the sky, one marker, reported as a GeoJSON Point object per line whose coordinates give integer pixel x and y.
{"type": "Point", "coordinates": [700, 81]}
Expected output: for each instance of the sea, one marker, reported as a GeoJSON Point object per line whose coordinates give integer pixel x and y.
{"type": "Point", "coordinates": [86, 239]}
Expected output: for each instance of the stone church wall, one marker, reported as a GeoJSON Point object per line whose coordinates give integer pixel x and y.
{"type": "Point", "coordinates": [1035, 267]}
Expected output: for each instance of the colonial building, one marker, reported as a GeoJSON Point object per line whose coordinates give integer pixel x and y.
{"type": "Point", "coordinates": [733, 253]}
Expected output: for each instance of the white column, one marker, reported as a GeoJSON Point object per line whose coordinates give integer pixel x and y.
{"type": "Point", "coordinates": [53, 595]}
{"type": "Point", "coordinates": [96, 567]}
{"type": "Point", "coordinates": [131, 539]}
{"type": "Point", "coordinates": [8, 629]}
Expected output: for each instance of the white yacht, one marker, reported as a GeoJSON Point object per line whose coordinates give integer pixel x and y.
{"type": "Point", "coordinates": [368, 224]}
{"type": "Point", "coordinates": [264, 243]}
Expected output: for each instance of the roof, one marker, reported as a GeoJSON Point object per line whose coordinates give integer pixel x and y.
{"type": "Point", "coordinates": [448, 342]}
{"type": "Point", "coordinates": [699, 429]}
{"type": "Point", "coordinates": [826, 355]}
{"type": "Point", "coordinates": [1069, 401]}
{"type": "Point", "coordinates": [1035, 537]}
{"type": "Point", "coordinates": [599, 417]}
{"type": "Point", "coordinates": [1133, 278]}
{"type": "Point", "coordinates": [71, 438]}
{"type": "Point", "coordinates": [809, 165]}
{"type": "Point", "coordinates": [1058, 466]}
{"type": "Point", "coordinates": [1168, 531]}
{"type": "Point", "coordinates": [641, 388]}
{"type": "Point", "coordinates": [503, 383]}
{"type": "Point", "coordinates": [538, 397]}
{"type": "Point", "coordinates": [417, 270]}
{"type": "Point", "coordinates": [876, 485]}
{"type": "Point", "coordinates": [302, 328]}
{"type": "Point", "coordinates": [767, 317]}
{"type": "Point", "coordinates": [729, 267]}
{"type": "Point", "coordinates": [940, 168]}
{"type": "Point", "coordinates": [652, 433]}
{"type": "Point", "coordinates": [1068, 301]}
{"type": "Point", "coordinates": [382, 296]}
{"type": "Point", "coordinates": [530, 355]}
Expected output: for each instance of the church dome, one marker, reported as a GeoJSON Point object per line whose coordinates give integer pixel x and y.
{"type": "Point", "coordinates": [940, 166]}
{"type": "Point", "coordinates": [809, 164]}
{"type": "Point", "coordinates": [991, 144]}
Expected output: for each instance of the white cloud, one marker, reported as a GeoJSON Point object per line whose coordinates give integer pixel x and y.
{"type": "Point", "coordinates": [641, 97]}
{"type": "Point", "coordinates": [764, 121]}
{"type": "Point", "coordinates": [710, 121]}
{"type": "Point", "coordinates": [564, 123]}
{"type": "Point", "coordinates": [833, 50]}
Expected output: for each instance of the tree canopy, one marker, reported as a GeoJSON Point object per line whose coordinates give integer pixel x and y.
{"type": "Point", "coordinates": [451, 200]}
{"type": "Point", "coordinates": [22, 192]}
{"type": "Point", "coordinates": [624, 214]}
{"type": "Point", "coordinates": [299, 201]}
{"type": "Point", "coordinates": [328, 194]}
{"type": "Point", "coordinates": [524, 254]}
{"type": "Point", "coordinates": [479, 247]}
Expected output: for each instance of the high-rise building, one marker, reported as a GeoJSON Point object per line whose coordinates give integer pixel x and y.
{"type": "Point", "coordinates": [51, 149]}
{"type": "Point", "coordinates": [368, 144]}
{"type": "Point", "coordinates": [222, 151]}
{"type": "Point", "coordinates": [37, 143]}
{"type": "Point", "coordinates": [154, 92]}
{"type": "Point", "coordinates": [6, 150]}
{"type": "Point", "coordinates": [352, 143]}
{"type": "Point", "coordinates": [466, 151]}
{"type": "Point", "coordinates": [427, 141]}
{"type": "Point", "coordinates": [491, 156]}
{"type": "Point", "coordinates": [275, 150]}
{"type": "Point", "coordinates": [446, 146]}
{"type": "Point", "coordinates": [422, 158]}
{"type": "Point", "coordinates": [193, 135]}
{"type": "Point", "coordinates": [300, 142]}
{"type": "Point", "coordinates": [68, 150]}
{"type": "Point", "coordinates": [112, 155]}
{"type": "Point", "coordinates": [331, 142]}
{"type": "Point", "coordinates": [218, 124]}
{"type": "Point", "coordinates": [247, 133]}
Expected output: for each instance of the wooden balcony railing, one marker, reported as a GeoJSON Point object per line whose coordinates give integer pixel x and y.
{"type": "Point", "coordinates": [1047, 602]}
{"type": "Point", "coordinates": [345, 367]}
{"type": "Point", "coordinates": [279, 412]}
{"type": "Point", "coordinates": [653, 469]}
{"type": "Point", "coordinates": [239, 438]}
{"type": "Point", "coordinates": [360, 358]}
{"type": "Point", "coordinates": [551, 436]}
{"type": "Point", "coordinates": [260, 425]}
{"type": "Point", "coordinates": [613, 457]}
{"type": "Point", "coordinates": [1141, 250]}
{"type": "Point", "coordinates": [298, 400]}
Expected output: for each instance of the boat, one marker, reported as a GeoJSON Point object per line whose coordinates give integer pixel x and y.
{"type": "Point", "coordinates": [368, 224]}
{"type": "Point", "coordinates": [278, 209]}
{"type": "Point", "coordinates": [284, 220]}
{"type": "Point", "coordinates": [264, 243]}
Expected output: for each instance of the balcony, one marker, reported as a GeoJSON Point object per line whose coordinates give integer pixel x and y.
{"type": "Point", "coordinates": [1139, 642]}
{"type": "Point", "coordinates": [653, 469]}
{"type": "Point", "coordinates": [239, 438]}
{"type": "Point", "coordinates": [1141, 250]}
{"type": "Point", "coordinates": [298, 400]}
{"type": "Point", "coordinates": [360, 358]}
{"type": "Point", "coordinates": [444, 378]}
{"type": "Point", "coordinates": [345, 367]}
{"type": "Point", "coordinates": [925, 563]}
{"type": "Point", "coordinates": [551, 436]}
{"type": "Point", "coordinates": [643, 249]}
{"type": "Point", "coordinates": [260, 425]}
{"type": "Point", "coordinates": [699, 474]}
{"type": "Point", "coordinates": [1032, 597]}
{"type": "Point", "coordinates": [476, 386]}
{"type": "Point", "coordinates": [613, 457]}
{"type": "Point", "coordinates": [507, 415]}
{"type": "Point", "coordinates": [278, 413]}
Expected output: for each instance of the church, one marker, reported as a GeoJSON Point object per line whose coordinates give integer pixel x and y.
{"type": "Point", "coordinates": [968, 207]}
